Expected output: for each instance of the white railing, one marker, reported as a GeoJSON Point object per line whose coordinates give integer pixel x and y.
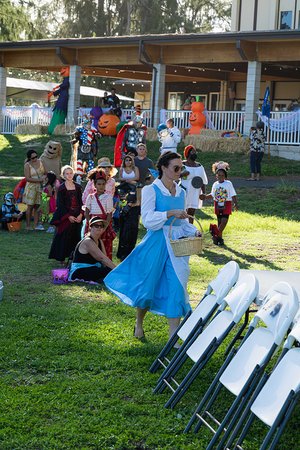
{"type": "Point", "coordinates": [284, 126]}
{"type": "Point", "coordinates": [217, 120]}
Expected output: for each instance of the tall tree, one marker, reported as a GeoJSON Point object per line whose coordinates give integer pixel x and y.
{"type": "Point", "coordinates": [14, 24]}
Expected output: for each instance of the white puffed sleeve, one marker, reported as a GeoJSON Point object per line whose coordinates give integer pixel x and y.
{"type": "Point", "coordinates": [152, 220]}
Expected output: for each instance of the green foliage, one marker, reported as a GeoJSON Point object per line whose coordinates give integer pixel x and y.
{"type": "Point", "coordinates": [72, 375]}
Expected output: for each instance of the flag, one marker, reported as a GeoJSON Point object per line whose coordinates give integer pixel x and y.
{"type": "Point", "coordinates": [266, 106]}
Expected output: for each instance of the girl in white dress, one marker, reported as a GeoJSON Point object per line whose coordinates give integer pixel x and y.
{"type": "Point", "coordinates": [194, 180]}
{"type": "Point", "coordinates": [152, 278]}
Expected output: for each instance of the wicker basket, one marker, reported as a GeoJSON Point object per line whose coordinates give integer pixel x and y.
{"type": "Point", "coordinates": [14, 226]}
{"type": "Point", "coordinates": [188, 246]}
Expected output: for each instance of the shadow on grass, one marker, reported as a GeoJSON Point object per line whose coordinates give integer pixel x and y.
{"type": "Point", "coordinates": [244, 260]}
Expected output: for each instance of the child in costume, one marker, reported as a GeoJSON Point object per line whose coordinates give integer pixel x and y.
{"type": "Point", "coordinates": [224, 195]}
{"type": "Point", "coordinates": [9, 210]}
{"type": "Point", "coordinates": [100, 204]}
{"type": "Point", "coordinates": [110, 171]}
{"type": "Point", "coordinates": [49, 195]}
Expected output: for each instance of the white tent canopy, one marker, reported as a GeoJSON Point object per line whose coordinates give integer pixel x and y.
{"type": "Point", "coordinates": [37, 90]}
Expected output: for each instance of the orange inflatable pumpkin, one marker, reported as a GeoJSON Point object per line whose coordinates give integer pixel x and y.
{"type": "Point", "coordinates": [107, 124]}
{"type": "Point", "coordinates": [197, 118]}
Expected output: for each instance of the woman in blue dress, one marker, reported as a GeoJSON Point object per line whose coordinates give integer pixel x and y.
{"type": "Point", "coordinates": [152, 278]}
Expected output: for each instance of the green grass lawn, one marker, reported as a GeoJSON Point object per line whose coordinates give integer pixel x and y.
{"type": "Point", "coordinates": [72, 375]}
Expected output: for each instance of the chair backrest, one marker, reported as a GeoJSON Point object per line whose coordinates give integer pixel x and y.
{"type": "Point", "coordinates": [238, 300]}
{"type": "Point", "coordinates": [294, 334]}
{"type": "Point", "coordinates": [284, 379]}
{"type": "Point", "coordinates": [241, 297]}
{"type": "Point", "coordinates": [225, 280]}
{"type": "Point", "coordinates": [280, 306]}
{"type": "Point", "coordinates": [217, 289]}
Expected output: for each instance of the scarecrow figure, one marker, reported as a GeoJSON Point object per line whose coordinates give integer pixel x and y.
{"type": "Point", "coordinates": [61, 106]}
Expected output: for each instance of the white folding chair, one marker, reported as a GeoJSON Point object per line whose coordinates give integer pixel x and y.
{"type": "Point", "coordinates": [200, 351]}
{"type": "Point", "coordinates": [241, 372]}
{"type": "Point", "coordinates": [276, 395]}
{"type": "Point", "coordinates": [194, 321]}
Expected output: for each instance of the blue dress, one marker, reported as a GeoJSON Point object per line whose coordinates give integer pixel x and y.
{"type": "Point", "coordinates": [151, 276]}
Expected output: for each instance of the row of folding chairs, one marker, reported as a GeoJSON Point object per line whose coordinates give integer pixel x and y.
{"type": "Point", "coordinates": [244, 373]}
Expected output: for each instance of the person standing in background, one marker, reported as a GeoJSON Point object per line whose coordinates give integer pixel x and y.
{"type": "Point", "coordinates": [257, 148]}
{"type": "Point", "coordinates": [143, 163]}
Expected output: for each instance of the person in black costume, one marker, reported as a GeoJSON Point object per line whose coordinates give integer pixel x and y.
{"type": "Point", "coordinates": [90, 262]}
{"type": "Point", "coordinates": [67, 217]}
{"type": "Point", "coordinates": [128, 222]}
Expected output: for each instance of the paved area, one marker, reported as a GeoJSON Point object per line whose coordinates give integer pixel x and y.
{"type": "Point", "coordinates": [265, 182]}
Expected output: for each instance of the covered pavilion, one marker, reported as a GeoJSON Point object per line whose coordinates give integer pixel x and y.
{"type": "Point", "coordinates": [223, 58]}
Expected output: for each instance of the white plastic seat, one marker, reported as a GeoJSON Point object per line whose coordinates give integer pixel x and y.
{"type": "Point", "coordinates": [284, 379]}
{"type": "Point", "coordinates": [216, 290]}
{"type": "Point", "coordinates": [276, 395]}
{"type": "Point", "coordinates": [243, 368]}
{"type": "Point", "coordinates": [253, 352]}
{"type": "Point", "coordinates": [200, 351]}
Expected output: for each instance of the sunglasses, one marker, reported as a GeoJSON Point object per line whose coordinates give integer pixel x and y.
{"type": "Point", "coordinates": [98, 225]}
{"type": "Point", "coordinates": [128, 160]}
{"type": "Point", "coordinates": [35, 157]}
{"type": "Point", "coordinates": [177, 169]}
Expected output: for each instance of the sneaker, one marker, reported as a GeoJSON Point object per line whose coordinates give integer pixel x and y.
{"type": "Point", "coordinates": [39, 227]}
{"type": "Point", "coordinates": [50, 230]}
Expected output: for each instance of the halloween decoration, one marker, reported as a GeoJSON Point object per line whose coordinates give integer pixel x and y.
{"type": "Point", "coordinates": [197, 118]}
{"type": "Point", "coordinates": [61, 107]}
{"type": "Point", "coordinates": [51, 157]}
{"type": "Point", "coordinates": [107, 124]}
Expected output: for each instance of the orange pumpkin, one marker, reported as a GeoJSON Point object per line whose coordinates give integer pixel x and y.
{"type": "Point", "coordinates": [197, 118]}
{"type": "Point", "coordinates": [107, 124]}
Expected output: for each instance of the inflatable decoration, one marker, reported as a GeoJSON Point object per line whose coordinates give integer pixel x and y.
{"type": "Point", "coordinates": [197, 118]}
{"type": "Point", "coordinates": [51, 157]}
{"type": "Point", "coordinates": [95, 114]}
{"type": "Point", "coordinates": [107, 124]}
{"type": "Point", "coordinates": [61, 106]}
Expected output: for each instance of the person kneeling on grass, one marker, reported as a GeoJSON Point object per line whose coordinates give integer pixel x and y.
{"type": "Point", "coordinates": [223, 194]}
{"type": "Point", "coordinates": [90, 262]}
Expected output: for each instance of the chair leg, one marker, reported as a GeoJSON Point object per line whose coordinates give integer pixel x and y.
{"type": "Point", "coordinates": [277, 427]}
{"type": "Point", "coordinates": [184, 385]}
{"type": "Point", "coordinates": [169, 345]}
{"type": "Point", "coordinates": [209, 404]}
{"type": "Point", "coordinates": [246, 411]}
{"type": "Point", "coordinates": [170, 373]}
{"type": "Point", "coordinates": [165, 351]}
{"type": "Point", "coordinates": [244, 432]}
{"type": "Point", "coordinates": [211, 393]}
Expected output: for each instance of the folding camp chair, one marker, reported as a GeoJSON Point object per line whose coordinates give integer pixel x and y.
{"type": "Point", "coordinates": [276, 395]}
{"type": "Point", "coordinates": [241, 372]}
{"type": "Point", "coordinates": [194, 321]}
{"type": "Point", "coordinates": [201, 350]}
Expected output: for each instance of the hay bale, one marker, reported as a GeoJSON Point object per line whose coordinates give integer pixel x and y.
{"type": "Point", "coordinates": [211, 141]}
{"type": "Point", "coordinates": [31, 129]}
{"type": "Point", "coordinates": [60, 130]}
